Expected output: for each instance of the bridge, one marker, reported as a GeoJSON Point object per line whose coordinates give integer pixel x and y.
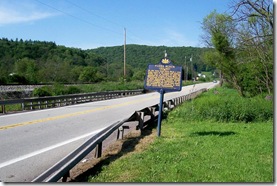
{"type": "Point", "coordinates": [32, 142]}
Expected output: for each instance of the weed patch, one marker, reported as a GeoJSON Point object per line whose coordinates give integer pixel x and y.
{"type": "Point", "coordinates": [227, 106]}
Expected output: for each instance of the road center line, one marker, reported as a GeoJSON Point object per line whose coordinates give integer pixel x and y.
{"type": "Point", "coordinates": [74, 114]}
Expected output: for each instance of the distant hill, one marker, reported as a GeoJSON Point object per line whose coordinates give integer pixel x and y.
{"type": "Point", "coordinates": [45, 62]}
{"type": "Point", "coordinates": [30, 61]}
{"type": "Point", "coordinates": [139, 56]}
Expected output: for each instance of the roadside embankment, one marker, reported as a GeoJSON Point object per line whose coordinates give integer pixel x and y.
{"type": "Point", "coordinates": [16, 91]}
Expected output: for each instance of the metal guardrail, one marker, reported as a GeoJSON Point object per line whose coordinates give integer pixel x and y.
{"type": "Point", "coordinates": [58, 101]}
{"type": "Point", "coordinates": [62, 168]}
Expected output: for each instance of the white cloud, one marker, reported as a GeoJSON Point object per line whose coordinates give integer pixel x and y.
{"type": "Point", "coordinates": [171, 37]}
{"type": "Point", "coordinates": [11, 16]}
{"type": "Point", "coordinates": [20, 13]}
{"type": "Point", "coordinates": [175, 38]}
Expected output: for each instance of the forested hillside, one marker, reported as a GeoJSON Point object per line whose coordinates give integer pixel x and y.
{"type": "Point", "coordinates": [34, 62]}
{"type": "Point", "coordinates": [139, 56]}
{"type": "Point", "coordinates": [45, 62]}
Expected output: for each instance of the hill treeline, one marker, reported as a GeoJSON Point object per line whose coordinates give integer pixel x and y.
{"type": "Point", "coordinates": [139, 56]}
{"type": "Point", "coordinates": [31, 62]}
{"type": "Point", "coordinates": [45, 62]}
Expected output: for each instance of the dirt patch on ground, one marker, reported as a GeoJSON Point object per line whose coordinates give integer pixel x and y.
{"type": "Point", "coordinates": [133, 142]}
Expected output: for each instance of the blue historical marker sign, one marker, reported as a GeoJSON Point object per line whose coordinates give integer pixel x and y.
{"type": "Point", "coordinates": [163, 77]}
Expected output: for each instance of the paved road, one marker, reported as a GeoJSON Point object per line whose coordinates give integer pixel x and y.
{"type": "Point", "coordinates": [31, 142]}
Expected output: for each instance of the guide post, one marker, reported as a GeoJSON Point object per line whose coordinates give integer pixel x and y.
{"type": "Point", "coordinates": [163, 77]}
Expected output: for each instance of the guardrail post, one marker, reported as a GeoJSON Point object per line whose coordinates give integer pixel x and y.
{"type": "Point", "coordinates": [140, 119]}
{"type": "Point", "coordinates": [172, 105]}
{"type": "Point", "coordinates": [22, 106]}
{"type": "Point", "coordinates": [3, 109]}
{"type": "Point", "coordinates": [120, 132]}
{"type": "Point", "coordinates": [39, 105]}
{"type": "Point", "coordinates": [152, 110]}
{"type": "Point", "coordinates": [169, 104]}
{"type": "Point", "coordinates": [98, 152]}
{"type": "Point", "coordinates": [165, 106]}
{"type": "Point", "coordinates": [67, 175]}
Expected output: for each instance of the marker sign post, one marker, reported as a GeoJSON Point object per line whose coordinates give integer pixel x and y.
{"type": "Point", "coordinates": [163, 77]}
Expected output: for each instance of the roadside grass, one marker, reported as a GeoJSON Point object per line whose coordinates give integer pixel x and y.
{"type": "Point", "coordinates": [204, 150]}
{"type": "Point", "coordinates": [199, 152]}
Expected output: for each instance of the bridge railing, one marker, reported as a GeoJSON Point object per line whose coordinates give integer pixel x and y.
{"type": "Point", "coordinates": [58, 101]}
{"type": "Point", "coordinates": [61, 170]}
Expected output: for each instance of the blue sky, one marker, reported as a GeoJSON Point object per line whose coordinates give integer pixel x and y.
{"type": "Point", "coordinates": [90, 24]}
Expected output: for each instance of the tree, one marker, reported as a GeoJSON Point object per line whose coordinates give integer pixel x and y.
{"type": "Point", "coordinates": [90, 75]}
{"type": "Point", "coordinates": [255, 39]}
{"type": "Point", "coordinates": [27, 68]}
{"type": "Point", "coordinates": [243, 45]}
{"type": "Point", "coordinates": [139, 75]}
{"type": "Point", "coordinates": [220, 34]}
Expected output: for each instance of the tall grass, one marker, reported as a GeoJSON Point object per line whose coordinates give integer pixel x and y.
{"type": "Point", "coordinates": [225, 105]}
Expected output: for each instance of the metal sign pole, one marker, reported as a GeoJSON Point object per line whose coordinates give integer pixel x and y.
{"type": "Point", "coordinates": [160, 112]}
{"type": "Point", "coordinates": [163, 77]}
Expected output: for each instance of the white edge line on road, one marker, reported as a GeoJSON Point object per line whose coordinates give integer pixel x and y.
{"type": "Point", "coordinates": [4, 164]}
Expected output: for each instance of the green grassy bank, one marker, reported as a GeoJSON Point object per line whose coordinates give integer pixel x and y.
{"type": "Point", "coordinates": [226, 143]}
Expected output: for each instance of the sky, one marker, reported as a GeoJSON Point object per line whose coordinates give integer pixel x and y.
{"type": "Point", "coordinates": [88, 24]}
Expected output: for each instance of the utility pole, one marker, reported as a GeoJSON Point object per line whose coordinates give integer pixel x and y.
{"type": "Point", "coordinates": [124, 54]}
{"type": "Point", "coordinates": [186, 69]}
{"type": "Point", "coordinates": [191, 69]}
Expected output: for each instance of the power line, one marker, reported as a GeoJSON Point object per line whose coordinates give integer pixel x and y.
{"type": "Point", "coordinates": [82, 20]}
{"type": "Point", "coordinates": [108, 20]}
{"type": "Point", "coordinates": [90, 12]}
{"type": "Point", "coordinates": [91, 24]}
{"type": "Point", "coordinates": [136, 37]}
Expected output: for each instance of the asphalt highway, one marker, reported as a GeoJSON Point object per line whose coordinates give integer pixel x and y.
{"type": "Point", "coordinates": [31, 142]}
